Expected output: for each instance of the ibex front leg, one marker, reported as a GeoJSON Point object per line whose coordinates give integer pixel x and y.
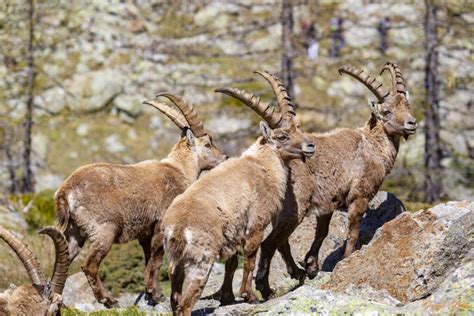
{"type": "Point", "coordinates": [311, 258]}
{"type": "Point", "coordinates": [354, 214]}
{"type": "Point", "coordinates": [278, 239]}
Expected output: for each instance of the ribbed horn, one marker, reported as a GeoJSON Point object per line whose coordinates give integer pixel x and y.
{"type": "Point", "coordinates": [175, 116]}
{"type": "Point", "coordinates": [398, 82]}
{"type": "Point", "coordinates": [195, 123]}
{"type": "Point", "coordinates": [61, 262]}
{"type": "Point", "coordinates": [371, 83]}
{"type": "Point", "coordinates": [283, 98]}
{"type": "Point", "coordinates": [268, 112]}
{"type": "Point", "coordinates": [26, 256]}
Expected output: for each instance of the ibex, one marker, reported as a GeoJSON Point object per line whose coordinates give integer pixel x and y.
{"type": "Point", "coordinates": [40, 298]}
{"type": "Point", "coordinates": [346, 172]}
{"type": "Point", "coordinates": [108, 203]}
{"type": "Point", "coordinates": [232, 204]}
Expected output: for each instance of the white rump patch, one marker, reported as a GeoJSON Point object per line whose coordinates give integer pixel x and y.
{"type": "Point", "coordinates": [169, 232]}
{"type": "Point", "coordinates": [188, 235]}
{"type": "Point", "coordinates": [71, 200]}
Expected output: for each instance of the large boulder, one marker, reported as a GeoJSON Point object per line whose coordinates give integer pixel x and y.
{"type": "Point", "coordinates": [382, 208]}
{"type": "Point", "coordinates": [411, 255]}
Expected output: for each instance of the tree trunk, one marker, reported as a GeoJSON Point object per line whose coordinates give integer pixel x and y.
{"type": "Point", "coordinates": [11, 170]}
{"type": "Point", "coordinates": [28, 177]}
{"type": "Point", "coordinates": [288, 54]}
{"type": "Point", "coordinates": [433, 151]}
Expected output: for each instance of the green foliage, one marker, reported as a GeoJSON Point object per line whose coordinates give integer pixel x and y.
{"type": "Point", "coordinates": [131, 311]}
{"type": "Point", "coordinates": [123, 269]}
{"type": "Point", "coordinates": [42, 212]}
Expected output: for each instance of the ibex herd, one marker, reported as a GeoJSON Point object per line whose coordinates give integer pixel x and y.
{"type": "Point", "coordinates": [169, 207]}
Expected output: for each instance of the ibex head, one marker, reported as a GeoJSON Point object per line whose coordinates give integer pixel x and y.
{"type": "Point", "coordinates": [391, 108]}
{"type": "Point", "coordinates": [42, 297]}
{"type": "Point", "coordinates": [198, 140]}
{"type": "Point", "coordinates": [280, 129]}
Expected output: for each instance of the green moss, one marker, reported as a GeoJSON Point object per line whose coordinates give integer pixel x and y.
{"type": "Point", "coordinates": [123, 269]}
{"type": "Point", "coordinates": [131, 311]}
{"type": "Point", "coordinates": [176, 25]}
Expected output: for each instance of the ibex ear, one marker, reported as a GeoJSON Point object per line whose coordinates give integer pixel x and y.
{"type": "Point", "coordinates": [265, 130]}
{"type": "Point", "coordinates": [407, 95]}
{"type": "Point", "coordinates": [189, 137]}
{"type": "Point", "coordinates": [372, 106]}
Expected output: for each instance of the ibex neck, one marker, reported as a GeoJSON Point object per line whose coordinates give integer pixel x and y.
{"type": "Point", "coordinates": [386, 145]}
{"type": "Point", "coordinates": [272, 163]}
{"type": "Point", "coordinates": [182, 158]}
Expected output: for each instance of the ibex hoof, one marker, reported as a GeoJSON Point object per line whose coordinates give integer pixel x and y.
{"type": "Point", "coordinates": [154, 299]}
{"type": "Point", "coordinates": [227, 299]}
{"type": "Point", "coordinates": [109, 302]}
{"type": "Point", "coordinates": [299, 275]}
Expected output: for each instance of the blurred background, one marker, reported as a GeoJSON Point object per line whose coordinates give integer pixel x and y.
{"type": "Point", "coordinates": [74, 74]}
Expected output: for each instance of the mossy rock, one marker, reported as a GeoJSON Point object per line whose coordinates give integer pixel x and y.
{"type": "Point", "coordinates": [131, 311]}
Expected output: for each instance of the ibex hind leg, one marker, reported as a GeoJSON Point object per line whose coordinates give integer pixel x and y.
{"type": "Point", "coordinates": [226, 292]}
{"type": "Point", "coordinates": [177, 280]}
{"type": "Point", "coordinates": [252, 243]}
{"type": "Point", "coordinates": [153, 289]}
{"type": "Point", "coordinates": [98, 249]}
{"type": "Point", "coordinates": [75, 240]}
{"type": "Point", "coordinates": [196, 276]}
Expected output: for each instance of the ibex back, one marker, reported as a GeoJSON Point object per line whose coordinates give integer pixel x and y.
{"type": "Point", "coordinates": [231, 206]}
{"type": "Point", "coordinates": [346, 172]}
{"type": "Point", "coordinates": [109, 204]}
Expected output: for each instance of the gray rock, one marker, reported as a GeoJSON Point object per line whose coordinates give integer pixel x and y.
{"type": "Point", "coordinates": [46, 181]}
{"type": "Point", "coordinates": [95, 90]}
{"type": "Point", "coordinates": [131, 105]}
{"type": "Point", "coordinates": [455, 295]}
{"type": "Point", "coordinates": [78, 294]}
{"type": "Point", "coordinates": [12, 219]}
{"type": "Point", "coordinates": [113, 144]}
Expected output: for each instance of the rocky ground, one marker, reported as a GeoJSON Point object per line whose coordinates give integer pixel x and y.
{"type": "Point", "coordinates": [409, 263]}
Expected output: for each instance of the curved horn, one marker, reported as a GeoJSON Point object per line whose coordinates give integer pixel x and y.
{"type": "Point", "coordinates": [195, 123]}
{"type": "Point", "coordinates": [170, 112]}
{"type": "Point", "coordinates": [26, 256]}
{"type": "Point", "coordinates": [371, 83]}
{"type": "Point", "coordinates": [398, 82]}
{"type": "Point", "coordinates": [284, 101]}
{"type": "Point", "coordinates": [61, 263]}
{"type": "Point", "coordinates": [268, 112]}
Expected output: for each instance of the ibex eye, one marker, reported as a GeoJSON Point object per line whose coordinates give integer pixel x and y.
{"type": "Point", "coordinates": [282, 138]}
{"type": "Point", "coordinates": [386, 112]}
{"type": "Point", "coordinates": [207, 145]}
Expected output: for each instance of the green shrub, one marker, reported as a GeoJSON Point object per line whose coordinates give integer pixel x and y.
{"type": "Point", "coordinates": [42, 212]}
{"type": "Point", "coordinates": [124, 267]}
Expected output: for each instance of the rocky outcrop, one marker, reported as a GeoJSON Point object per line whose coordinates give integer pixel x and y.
{"type": "Point", "coordinates": [416, 263]}
{"type": "Point", "coordinates": [383, 208]}
{"type": "Point", "coordinates": [411, 255]}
